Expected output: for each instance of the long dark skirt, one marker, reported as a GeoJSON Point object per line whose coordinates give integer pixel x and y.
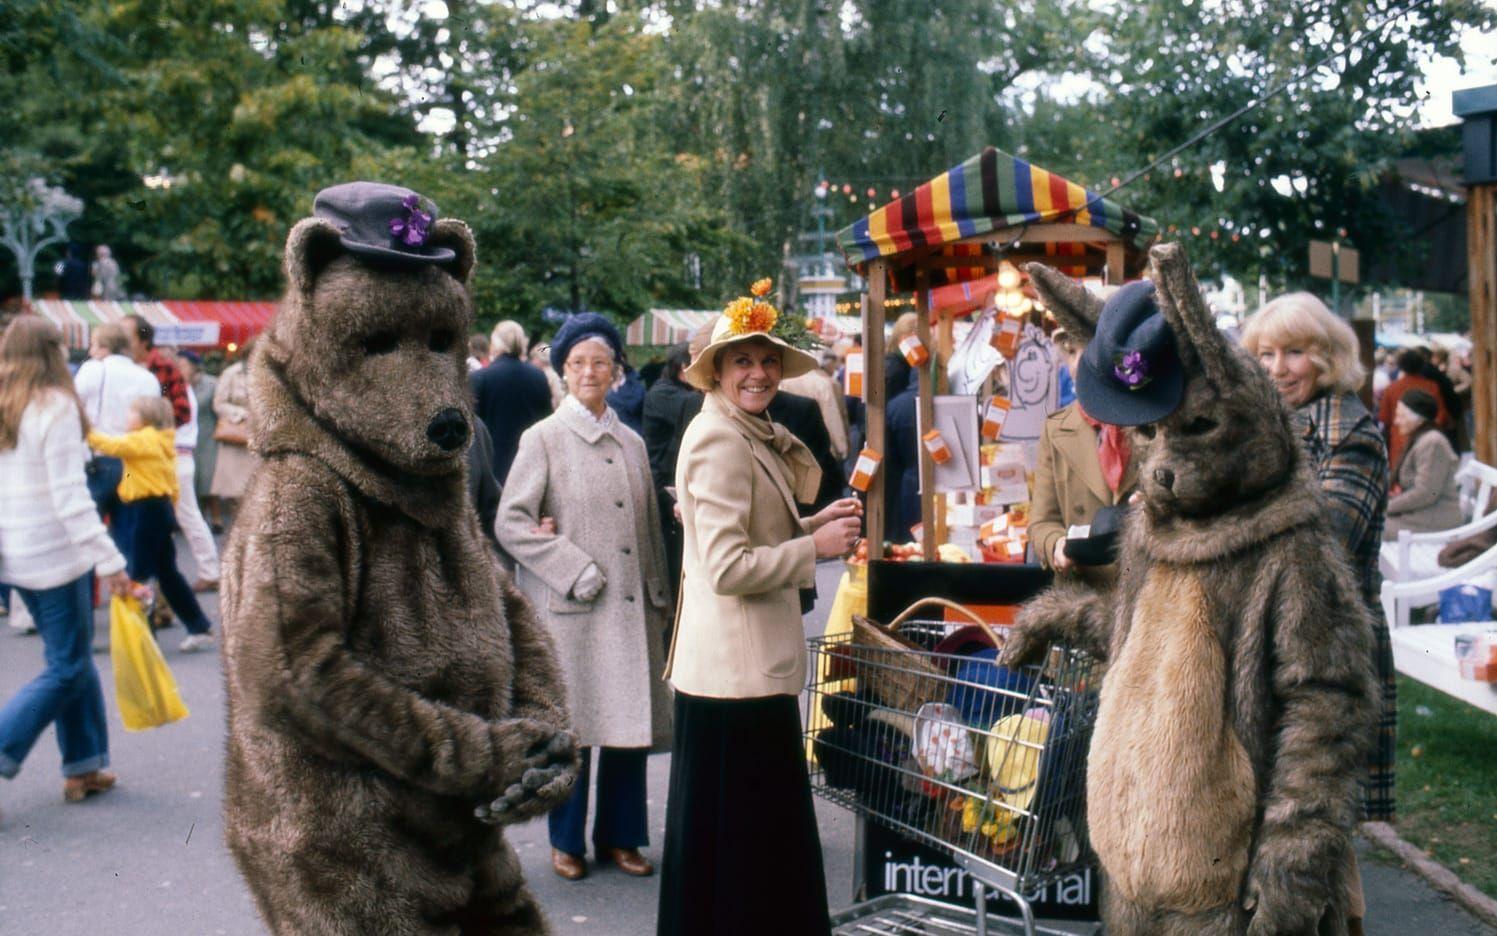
{"type": "Point", "coordinates": [742, 854]}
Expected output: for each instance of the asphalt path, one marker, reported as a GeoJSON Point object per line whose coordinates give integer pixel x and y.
{"type": "Point", "coordinates": [148, 858]}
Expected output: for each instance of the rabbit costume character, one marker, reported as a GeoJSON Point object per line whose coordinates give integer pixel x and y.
{"type": "Point", "coordinates": [1239, 694]}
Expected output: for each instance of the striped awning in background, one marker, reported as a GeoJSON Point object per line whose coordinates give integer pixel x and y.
{"type": "Point", "coordinates": [236, 322]}
{"type": "Point", "coordinates": [988, 192]}
{"type": "Point", "coordinates": [667, 326]}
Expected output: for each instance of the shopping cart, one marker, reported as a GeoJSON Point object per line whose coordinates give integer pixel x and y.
{"type": "Point", "coordinates": [955, 751]}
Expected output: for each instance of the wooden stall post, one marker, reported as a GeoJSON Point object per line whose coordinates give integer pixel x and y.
{"type": "Point", "coordinates": [1116, 257]}
{"type": "Point", "coordinates": [927, 406]}
{"type": "Point", "coordinates": [1481, 247]}
{"type": "Point", "coordinates": [873, 400]}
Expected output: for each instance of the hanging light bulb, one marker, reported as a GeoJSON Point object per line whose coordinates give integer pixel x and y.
{"type": "Point", "coordinates": [1008, 277]}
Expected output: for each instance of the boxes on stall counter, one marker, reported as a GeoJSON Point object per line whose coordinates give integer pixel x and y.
{"type": "Point", "coordinates": [852, 375]}
{"type": "Point", "coordinates": [1005, 474]}
{"type": "Point", "coordinates": [971, 514]}
{"type": "Point", "coordinates": [914, 350]}
{"type": "Point", "coordinates": [1476, 655]}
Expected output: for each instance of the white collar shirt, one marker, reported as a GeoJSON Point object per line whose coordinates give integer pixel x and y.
{"type": "Point", "coordinates": [106, 388]}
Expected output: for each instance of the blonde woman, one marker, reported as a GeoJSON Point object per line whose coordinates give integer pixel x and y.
{"type": "Point", "coordinates": [52, 543]}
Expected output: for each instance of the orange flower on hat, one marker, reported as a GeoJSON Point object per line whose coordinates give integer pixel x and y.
{"type": "Point", "coordinates": [761, 287]}
{"type": "Point", "coordinates": [745, 316]}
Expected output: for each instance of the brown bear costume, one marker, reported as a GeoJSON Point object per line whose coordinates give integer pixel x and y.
{"type": "Point", "coordinates": [392, 698]}
{"type": "Point", "coordinates": [1239, 700]}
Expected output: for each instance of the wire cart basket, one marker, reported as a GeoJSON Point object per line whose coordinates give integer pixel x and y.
{"type": "Point", "coordinates": [953, 750]}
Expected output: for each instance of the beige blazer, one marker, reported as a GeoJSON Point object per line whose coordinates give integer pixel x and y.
{"type": "Point", "coordinates": [1068, 485]}
{"type": "Point", "coordinates": [746, 554]}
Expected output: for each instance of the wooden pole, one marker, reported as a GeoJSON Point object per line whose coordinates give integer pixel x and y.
{"type": "Point", "coordinates": [874, 402]}
{"type": "Point", "coordinates": [1481, 248]}
{"type": "Point", "coordinates": [927, 406]}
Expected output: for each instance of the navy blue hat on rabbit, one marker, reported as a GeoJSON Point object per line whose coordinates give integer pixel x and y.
{"type": "Point", "coordinates": [1130, 373]}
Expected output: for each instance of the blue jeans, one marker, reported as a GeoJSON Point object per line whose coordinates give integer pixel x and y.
{"type": "Point", "coordinates": [67, 691]}
{"type": "Point", "coordinates": [103, 486]}
{"type": "Point", "coordinates": [621, 821]}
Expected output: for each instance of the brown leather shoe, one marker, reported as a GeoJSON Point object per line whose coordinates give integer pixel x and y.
{"type": "Point", "coordinates": [569, 866]}
{"type": "Point", "coordinates": [76, 789]}
{"type": "Point", "coordinates": [628, 860]}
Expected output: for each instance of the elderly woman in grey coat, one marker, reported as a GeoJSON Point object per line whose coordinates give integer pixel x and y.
{"type": "Point", "coordinates": [1423, 498]}
{"type": "Point", "coordinates": [580, 518]}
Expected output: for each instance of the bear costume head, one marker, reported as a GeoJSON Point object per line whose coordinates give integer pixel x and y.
{"type": "Point", "coordinates": [365, 321]}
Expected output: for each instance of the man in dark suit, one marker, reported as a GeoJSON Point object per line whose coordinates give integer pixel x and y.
{"type": "Point", "coordinates": [509, 395]}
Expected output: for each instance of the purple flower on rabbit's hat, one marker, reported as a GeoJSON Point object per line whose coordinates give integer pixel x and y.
{"type": "Point", "coordinates": [1131, 370]}
{"type": "Point", "coordinates": [412, 228]}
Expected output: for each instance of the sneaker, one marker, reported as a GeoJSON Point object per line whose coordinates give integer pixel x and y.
{"type": "Point", "coordinates": [192, 643]}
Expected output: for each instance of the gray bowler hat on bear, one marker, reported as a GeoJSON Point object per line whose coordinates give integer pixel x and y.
{"type": "Point", "coordinates": [1130, 372]}
{"type": "Point", "coordinates": [384, 225]}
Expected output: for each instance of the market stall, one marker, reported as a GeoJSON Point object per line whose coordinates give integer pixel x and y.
{"type": "Point", "coordinates": [178, 323]}
{"type": "Point", "coordinates": [959, 243]}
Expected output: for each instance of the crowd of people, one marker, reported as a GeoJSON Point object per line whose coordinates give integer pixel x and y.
{"type": "Point", "coordinates": [702, 497]}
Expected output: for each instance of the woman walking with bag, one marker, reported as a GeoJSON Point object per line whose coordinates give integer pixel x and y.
{"type": "Point", "coordinates": [51, 540]}
{"type": "Point", "coordinates": [580, 518]}
{"type": "Point", "coordinates": [231, 402]}
{"type": "Point", "coordinates": [742, 854]}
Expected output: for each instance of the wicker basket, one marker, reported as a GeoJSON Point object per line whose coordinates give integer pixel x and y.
{"type": "Point", "coordinates": [917, 678]}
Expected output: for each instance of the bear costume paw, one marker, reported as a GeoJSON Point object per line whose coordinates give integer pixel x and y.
{"type": "Point", "coordinates": [1281, 902]}
{"type": "Point", "coordinates": [549, 769]}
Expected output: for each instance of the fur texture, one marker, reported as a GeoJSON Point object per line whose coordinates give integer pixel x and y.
{"type": "Point", "coordinates": [1240, 697]}
{"type": "Point", "coordinates": [392, 698]}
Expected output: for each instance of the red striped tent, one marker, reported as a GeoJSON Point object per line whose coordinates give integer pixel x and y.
{"type": "Point", "coordinates": [666, 326]}
{"type": "Point", "coordinates": [238, 322]}
{"type": "Point", "coordinates": [992, 193]}
{"type": "Point", "coordinates": [226, 322]}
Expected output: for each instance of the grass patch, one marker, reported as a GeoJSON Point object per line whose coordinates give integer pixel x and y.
{"type": "Point", "coordinates": [1447, 782]}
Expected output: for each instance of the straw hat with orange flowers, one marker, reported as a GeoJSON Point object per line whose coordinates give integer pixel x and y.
{"type": "Point", "coordinates": [745, 319]}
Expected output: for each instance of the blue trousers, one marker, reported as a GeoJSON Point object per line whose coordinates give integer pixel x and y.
{"type": "Point", "coordinates": [67, 691]}
{"type": "Point", "coordinates": [621, 820]}
{"type": "Point", "coordinates": [144, 532]}
{"type": "Point", "coordinates": [104, 478]}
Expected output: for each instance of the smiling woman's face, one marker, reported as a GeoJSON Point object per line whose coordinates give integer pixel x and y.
{"type": "Point", "coordinates": [1293, 372]}
{"type": "Point", "coordinates": [749, 375]}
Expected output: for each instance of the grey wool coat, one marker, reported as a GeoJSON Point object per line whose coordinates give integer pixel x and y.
{"type": "Point", "coordinates": [596, 484]}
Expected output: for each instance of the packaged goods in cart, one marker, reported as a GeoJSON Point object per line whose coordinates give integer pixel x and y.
{"type": "Point", "coordinates": [914, 351]}
{"type": "Point", "coordinates": [1006, 335]}
{"type": "Point", "coordinates": [940, 452]}
{"type": "Point", "coordinates": [994, 417]}
{"type": "Point", "coordinates": [852, 375]}
{"type": "Point", "coordinates": [865, 469]}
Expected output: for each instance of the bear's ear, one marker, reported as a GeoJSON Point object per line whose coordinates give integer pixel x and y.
{"type": "Point", "coordinates": [1197, 339]}
{"type": "Point", "coordinates": [1072, 304]}
{"type": "Point", "coordinates": [456, 236]}
{"type": "Point", "coordinates": [312, 244]}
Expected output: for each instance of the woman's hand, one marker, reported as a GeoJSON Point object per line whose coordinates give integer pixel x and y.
{"type": "Point", "coordinates": [836, 510]}
{"type": "Point", "coordinates": [835, 538]}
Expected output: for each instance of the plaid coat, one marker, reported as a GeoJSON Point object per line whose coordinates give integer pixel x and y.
{"type": "Point", "coordinates": [1351, 460]}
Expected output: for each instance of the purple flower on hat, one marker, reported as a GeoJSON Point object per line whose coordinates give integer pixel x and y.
{"type": "Point", "coordinates": [1131, 370]}
{"type": "Point", "coordinates": [411, 230]}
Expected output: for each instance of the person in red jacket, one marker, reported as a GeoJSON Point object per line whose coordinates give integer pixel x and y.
{"type": "Point", "coordinates": [1410, 376]}
{"type": "Point", "coordinates": [162, 365]}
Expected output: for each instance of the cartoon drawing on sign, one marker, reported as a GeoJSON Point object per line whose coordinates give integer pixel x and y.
{"type": "Point", "coordinates": [1033, 392]}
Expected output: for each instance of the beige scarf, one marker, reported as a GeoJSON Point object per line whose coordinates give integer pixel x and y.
{"type": "Point", "coordinates": [798, 466]}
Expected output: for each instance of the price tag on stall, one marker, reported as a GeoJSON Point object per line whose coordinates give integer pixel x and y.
{"type": "Point", "coordinates": [914, 350]}
{"type": "Point", "coordinates": [865, 469]}
{"type": "Point", "coordinates": [994, 417]}
{"type": "Point", "coordinates": [940, 453]}
{"type": "Point", "coordinates": [1006, 337]}
{"type": "Point", "coordinates": [852, 375]}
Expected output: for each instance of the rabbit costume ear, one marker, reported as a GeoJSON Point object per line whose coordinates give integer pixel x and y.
{"type": "Point", "coordinates": [1072, 304]}
{"type": "Point", "coordinates": [1203, 349]}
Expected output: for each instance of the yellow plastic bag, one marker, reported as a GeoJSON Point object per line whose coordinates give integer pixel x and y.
{"type": "Point", "coordinates": [144, 687]}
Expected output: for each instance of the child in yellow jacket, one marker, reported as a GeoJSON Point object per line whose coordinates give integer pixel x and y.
{"type": "Point", "coordinates": [145, 521]}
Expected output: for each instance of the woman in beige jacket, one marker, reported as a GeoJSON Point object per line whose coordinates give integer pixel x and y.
{"type": "Point", "coordinates": [1424, 498]}
{"type": "Point", "coordinates": [742, 855]}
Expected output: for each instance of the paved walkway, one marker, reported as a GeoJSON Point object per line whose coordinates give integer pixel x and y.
{"type": "Point", "coordinates": [148, 859]}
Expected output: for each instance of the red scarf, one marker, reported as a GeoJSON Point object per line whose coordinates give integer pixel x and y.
{"type": "Point", "coordinates": [1112, 451]}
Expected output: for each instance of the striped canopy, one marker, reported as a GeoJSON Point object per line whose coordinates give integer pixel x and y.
{"type": "Point", "coordinates": [237, 321]}
{"type": "Point", "coordinates": [667, 326]}
{"type": "Point", "coordinates": [988, 192]}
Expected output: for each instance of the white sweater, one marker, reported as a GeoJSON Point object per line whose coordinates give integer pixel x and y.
{"type": "Point", "coordinates": [50, 531]}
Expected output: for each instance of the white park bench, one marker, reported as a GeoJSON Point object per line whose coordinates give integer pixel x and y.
{"type": "Point", "coordinates": [1414, 556]}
